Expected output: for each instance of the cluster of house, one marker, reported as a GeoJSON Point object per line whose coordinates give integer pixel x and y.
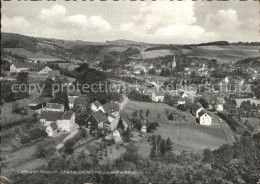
{"type": "Point", "coordinates": [35, 68]}
{"type": "Point", "coordinates": [106, 117]}
{"type": "Point", "coordinates": [56, 119]}
{"type": "Point", "coordinates": [201, 115]}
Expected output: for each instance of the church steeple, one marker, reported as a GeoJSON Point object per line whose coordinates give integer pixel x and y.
{"type": "Point", "coordinates": [173, 62]}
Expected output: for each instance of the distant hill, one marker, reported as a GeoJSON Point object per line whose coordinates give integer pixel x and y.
{"type": "Point", "coordinates": [10, 40]}
{"type": "Point", "coordinates": [128, 42]}
{"type": "Point", "coordinates": [30, 55]}
{"type": "Point", "coordinates": [249, 62]}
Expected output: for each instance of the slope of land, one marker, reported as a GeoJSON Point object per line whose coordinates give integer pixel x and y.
{"type": "Point", "coordinates": [223, 54]}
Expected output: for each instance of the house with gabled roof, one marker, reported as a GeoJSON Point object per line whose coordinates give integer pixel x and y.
{"type": "Point", "coordinates": [37, 68]}
{"type": "Point", "coordinates": [52, 129]}
{"type": "Point", "coordinates": [96, 119]}
{"type": "Point", "coordinates": [47, 117]}
{"type": "Point", "coordinates": [195, 109]}
{"type": "Point", "coordinates": [95, 105]}
{"type": "Point", "coordinates": [110, 108]}
{"type": "Point", "coordinates": [38, 104]}
{"type": "Point", "coordinates": [19, 67]}
{"type": "Point", "coordinates": [182, 94]}
{"type": "Point", "coordinates": [219, 105]}
{"type": "Point", "coordinates": [65, 121]}
{"type": "Point", "coordinates": [204, 118]}
{"type": "Point", "coordinates": [158, 95]}
{"type": "Point", "coordinates": [117, 135]}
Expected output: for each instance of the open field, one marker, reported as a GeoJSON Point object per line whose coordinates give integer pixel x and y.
{"type": "Point", "coordinates": [8, 116]}
{"type": "Point", "coordinates": [156, 109]}
{"type": "Point", "coordinates": [31, 55]}
{"type": "Point", "coordinates": [155, 53]}
{"type": "Point", "coordinates": [184, 131]}
{"type": "Point", "coordinates": [24, 158]}
{"type": "Point", "coordinates": [224, 54]}
{"type": "Point", "coordinates": [190, 137]}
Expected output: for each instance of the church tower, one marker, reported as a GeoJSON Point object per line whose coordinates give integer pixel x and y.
{"type": "Point", "coordinates": [173, 62]}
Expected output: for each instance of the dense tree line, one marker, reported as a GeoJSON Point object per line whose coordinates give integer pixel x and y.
{"type": "Point", "coordinates": [136, 96]}
{"type": "Point", "coordinates": [234, 164]}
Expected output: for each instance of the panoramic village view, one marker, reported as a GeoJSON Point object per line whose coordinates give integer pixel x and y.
{"type": "Point", "coordinates": [125, 111]}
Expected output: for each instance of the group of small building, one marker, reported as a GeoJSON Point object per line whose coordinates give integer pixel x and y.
{"type": "Point", "coordinates": [106, 117]}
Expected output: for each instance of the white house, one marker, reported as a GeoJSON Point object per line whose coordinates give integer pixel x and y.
{"type": "Point", "coordinates": [19, 67]}
{"type": "Point", "coordinates": [117, 135]}
{"type": "Point", "coordinates": [71, 101]}
{"type": "Point", "coordinates": [36, 68]}
{"type": "Point", "coordinates": [219, 105]}
{"type": "Point", "coordinates": [67, 122]}
{"type": "Point", "coordinates": [204, 118]}
{"type": "Point", "coordinates": [157, 95]}
{"type": "Point", "coordinates": [52, 129]}
{"type": "Point", "coordinates": [143, 129]}
{"type": "Point", "coordinates": [182, 94]}
{"type": "Point", "coordinates": [95, 106]}
{"type": "Point", "coordinates": [181, 101]}
{"type": "Point", "coordinates": [57, 121]}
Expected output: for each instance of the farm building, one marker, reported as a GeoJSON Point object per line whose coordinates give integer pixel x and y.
{"type": "Point", "coordinates": [35, 68]}
{"type": "Point", "coordinates": [38, 104]}
{"type": "Point", "coordinates": [204, 118]}
{"type": "Point", "coordinates": [158, 95]}
{"type": "Point", "coordinates": [95, 120]}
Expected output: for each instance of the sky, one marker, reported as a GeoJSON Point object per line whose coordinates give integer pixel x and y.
{"type": "Point", "coordinates": [169, 22]}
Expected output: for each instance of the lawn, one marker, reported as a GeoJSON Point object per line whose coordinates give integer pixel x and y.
{"type": "Point", "coordinates": [190, 137]}
{"type": "Point", "coordinates": [7, 116]}
{"type": "Point", "coordinates": [156, 109]}
{"type": "Point", "coordinates": [223, 54]}
{"type": "Point", "coordinates": [31, 55]}
{"type": "Point", "coordinates": [24, 157]}
{"type": "Point", "coordinates": [184, 131]}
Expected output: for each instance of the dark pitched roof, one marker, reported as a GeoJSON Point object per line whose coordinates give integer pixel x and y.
{"type": "Point", "coordinates": [158, 92]}
{"type": "Point", "coordinates": [125, 118]}
{"type": "Point", "coordinates": [201, 113]}
{"type": "Point", "coordinates": [71, 99]}
{"type": "Point", "coordinates": [181, 93]}
{"type": "Point", "coordinates": [51, 115]}
{"type": "Point", "coordinates": [110, 107]}
{"type": "Point", "coordinates": [99, 116]}
{"type": "Point", "coordinates": [37, 67]}
{"type": "Point", "coordinates": [195, 107]}
{"type": "Point", "coordinates": [97, 103]}
{"type": "Point", "coordinates": [54, 105]}
{"type": "Point", "coordinates": [74, 93]}
{"type": "Point", "coordinates": [54, 126]}
{"type": "Point", "coordinates": [67, 115]}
